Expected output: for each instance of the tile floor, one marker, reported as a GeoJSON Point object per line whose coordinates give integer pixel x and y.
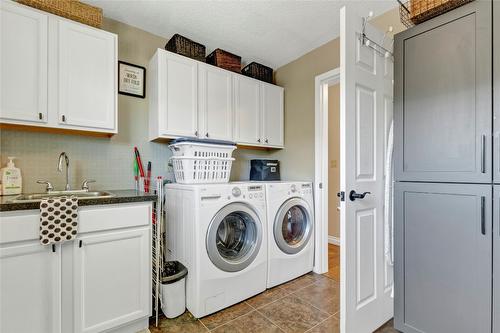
{"type": "Point", "coordinates": [309, 303]}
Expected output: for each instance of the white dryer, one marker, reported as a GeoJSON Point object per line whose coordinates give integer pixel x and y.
{"type": "Point", "coordinates": [290, 218]}
{"type": "Point", "coordinates": [219, 233]}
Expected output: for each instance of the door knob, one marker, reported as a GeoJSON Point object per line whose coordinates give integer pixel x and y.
{"type": "Point", "coordinates": [353, 195]}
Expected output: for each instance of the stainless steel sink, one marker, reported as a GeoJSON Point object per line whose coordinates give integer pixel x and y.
{"type": "Point", "coordinates": [80, 194]}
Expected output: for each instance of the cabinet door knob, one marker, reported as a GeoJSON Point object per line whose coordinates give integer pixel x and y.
{"type": "Point", "coordinates": [40, 115]}
{"type": "Point", "coordinates": [206, 135]}
{"type": "Point", "coordinates": [196, 133]}
{"type": "Point", "coordinates": [258, 140]}
{"type": "Point", "coordinates": [267, 141]}
{"type": "Point", "coordinates": [63, 118]}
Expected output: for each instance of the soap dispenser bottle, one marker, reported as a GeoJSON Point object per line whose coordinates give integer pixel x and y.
{"type": "Point", "coordinates": [12, 181]}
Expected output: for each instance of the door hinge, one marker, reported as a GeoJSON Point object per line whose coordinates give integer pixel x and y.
{"type": "Point", "coordinates": [341, 195]}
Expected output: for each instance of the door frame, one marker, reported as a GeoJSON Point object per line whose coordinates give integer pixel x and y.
{"type": "Point", "coordinates": [321, 83]}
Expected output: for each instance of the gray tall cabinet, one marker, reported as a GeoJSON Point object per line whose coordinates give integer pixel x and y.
{"type": "Point", "coordinates": [447, 159]}
{"type": "Point", "coordinates": [496, 167]}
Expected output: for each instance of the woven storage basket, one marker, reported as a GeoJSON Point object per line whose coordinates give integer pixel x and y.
{"type": "Point", "coordinates": [186, 47]}
{"type": "Point", "coordinates": [417, 11]}
{"type": "Point", "coordinates": [259, 72]}
{"type": "Point", "coordinates": [70, 9]}
{"type": "Point", "coordinates": [224, 59]}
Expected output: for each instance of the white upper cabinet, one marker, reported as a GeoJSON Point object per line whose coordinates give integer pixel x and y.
{"type": "Point", "coordinates": [215, 103]}
{"type": "Point", "coordinates": [272, 115]}
{"type": "Point", "coordinates": [178, 95]}
{"type": "Point", "coordinates": [23, 64]}
{"type": "Point", "coordinates": [30, 285]}
{"type": "Point", "coordinates": [194, 99]}
{"type": "Point", "coordinates": [247, 111]}
{"type": "Point", "coordinates": [55, 72]}
{"type": "Point", "coordinates": [87, 76]}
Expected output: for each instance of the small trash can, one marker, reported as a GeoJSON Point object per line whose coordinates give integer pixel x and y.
{"type": "Point", "coordinates": [173, 289]}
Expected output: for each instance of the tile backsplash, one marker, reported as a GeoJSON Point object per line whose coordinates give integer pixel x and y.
{"type": "Point", "coordinates": [108, 162]}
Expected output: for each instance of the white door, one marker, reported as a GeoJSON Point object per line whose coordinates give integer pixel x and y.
{"type": "Point", "coordinates": [215, 97]}
{"type": "Point", "coordinates": [87, 76]}
{"type": "Point", "coordinates": [112, 279]}
{"type": "Point", "coordinates": [366, 107]}
{"type": "Point", "coordinates": [30, 288]}
{"type": "Point", "coordinates": [23, 64]}
{"type": "Point", "coordinates": [272, 115]}
{"type": "Point", "coordinates": [247, 110]}
{"type": "Point", "coordinates": [179, 95]}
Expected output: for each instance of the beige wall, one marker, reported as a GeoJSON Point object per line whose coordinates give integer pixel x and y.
{"type": "Point", "coordinates": [298, 79]}
{"type": "Point", "coordinates": [334, 159]}
{"type": "Point", "coordinates": [297, 159]}
{"type": "Point", "coordinates": [108, 161]}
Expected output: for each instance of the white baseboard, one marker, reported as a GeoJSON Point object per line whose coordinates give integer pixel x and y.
{"type": "Point", "coordinates": [333, 240]}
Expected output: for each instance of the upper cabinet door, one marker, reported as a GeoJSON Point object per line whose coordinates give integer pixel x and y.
{"type": "Point", "coordinates": [87, 65]}
{"type": "Point", "coordinates": [247, 110]}
{"type": "Point", "coordinates": [215, 102]}
{"type": "Point", "coordinates": [23, 64]}
{"type": "Point", "coordinates": [443, 95]}
{"type": "Point", "coordinates": [112, 279]}
{"type": "Point", "coordinates": [178, 89]}
{"type": "Point", "coordinates": [496, 91]}
{"type": "Point", "coordinates": [272, 115]}
{"type": "Point", "coordinates": [30, 285]}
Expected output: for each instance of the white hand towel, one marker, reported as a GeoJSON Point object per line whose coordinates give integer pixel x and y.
{"type": "Point", "coordinates": [388, 200]}
{"type": "Point", "coordinates": [58, 220]}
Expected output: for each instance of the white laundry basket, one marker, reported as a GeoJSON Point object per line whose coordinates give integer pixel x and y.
{"type": "Point", "coordinates": [201, 163]}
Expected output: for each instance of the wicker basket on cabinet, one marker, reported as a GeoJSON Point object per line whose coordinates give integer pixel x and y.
{"type": "Point", "coordinates": [224, 59]}
{"type": "Point", "coordinates": [186, 47]}
{"type": "Point", "coordinates": [258, 71]}
{"type": "Point", "coordinates": [417, 11]}
{"type": "Point", "coordinates": [70, 9]}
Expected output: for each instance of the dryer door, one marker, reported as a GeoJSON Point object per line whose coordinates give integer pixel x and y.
{"type": "Point", "coordinates": [234, 237]}
{"type": "Point", "coordinates": [293, 225]}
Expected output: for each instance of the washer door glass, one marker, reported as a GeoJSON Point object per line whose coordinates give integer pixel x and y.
{"type": "Point", "coordinates": [293, 226]}
{"type": "Point", "coordinates": [234, 237]}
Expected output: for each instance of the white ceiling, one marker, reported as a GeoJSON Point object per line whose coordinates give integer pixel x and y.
{"type": "Point", "coordinates": [270, 32]}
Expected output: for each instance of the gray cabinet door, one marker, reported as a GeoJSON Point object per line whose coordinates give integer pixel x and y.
{"type": "Point", "coordinates": [496, 259]}
{"type": "Point", "coordinates": [443, 258]}
{"type": "Point", "coordinates": [442, 98]}
{"type": "Point", "coordinates": [496, 91]}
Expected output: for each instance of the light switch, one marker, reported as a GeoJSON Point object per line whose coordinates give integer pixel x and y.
{"type": "Point", "coordinates": [333, 164]}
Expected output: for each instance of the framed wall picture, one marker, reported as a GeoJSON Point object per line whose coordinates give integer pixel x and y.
{"type": "Point", "coordinates": [131, 79]}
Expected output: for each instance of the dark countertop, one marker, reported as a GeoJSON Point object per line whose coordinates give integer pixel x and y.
{"type": "Point", "coordinates": [120, 196]}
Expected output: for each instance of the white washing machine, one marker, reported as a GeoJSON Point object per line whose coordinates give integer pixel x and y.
{"type": "Point", "coordinates": [219, 233]}
{"type": "Point", "coordinates": [290, 225]}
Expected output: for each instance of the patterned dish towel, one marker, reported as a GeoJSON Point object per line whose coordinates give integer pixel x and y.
{"type": "Point", "coordinates": [58, 220]}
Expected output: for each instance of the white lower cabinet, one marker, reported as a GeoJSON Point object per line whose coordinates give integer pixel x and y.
{"type": "Point", "coordinates": [100, 282]}
{"type": "Point", "coordinates": [111, 279]}
{"type": "Point", "coordinates": [30, 288]}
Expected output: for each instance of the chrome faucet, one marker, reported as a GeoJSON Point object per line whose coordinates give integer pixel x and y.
{"type": "Point", "coordinates": [64, 157]}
